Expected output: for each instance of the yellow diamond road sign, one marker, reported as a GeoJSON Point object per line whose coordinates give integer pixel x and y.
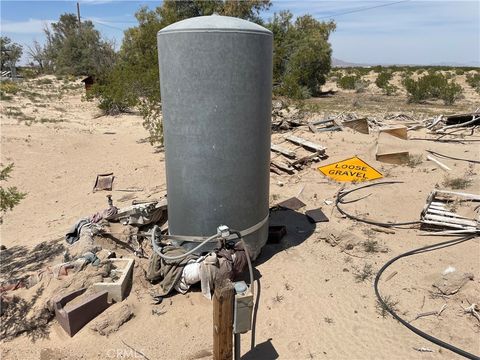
{"type": "Point", "coordinates": [353, 169]}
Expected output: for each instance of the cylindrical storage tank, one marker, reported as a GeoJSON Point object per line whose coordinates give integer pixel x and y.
{"type": "Point", "coordinates": [216, 86]}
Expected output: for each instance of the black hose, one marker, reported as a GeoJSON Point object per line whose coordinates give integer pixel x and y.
{"type": "Point", "coordinates": [452, 158]}
{"type": "Point", "coordinates": [342, 194]}
{"type": "Point", "coordinates": [402, 321]}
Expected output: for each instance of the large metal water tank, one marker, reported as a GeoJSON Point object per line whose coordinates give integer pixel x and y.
{"type": "Point", "coordinates": [216, 86]}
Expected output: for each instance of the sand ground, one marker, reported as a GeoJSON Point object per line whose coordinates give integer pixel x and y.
{"type": "Point", "coordinates": [310, 305]}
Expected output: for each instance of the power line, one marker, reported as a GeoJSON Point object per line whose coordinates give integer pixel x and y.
{"type": "Point", "coordinates": [107, 25]}
{"type": "Point", "coordinates": [365, 8]}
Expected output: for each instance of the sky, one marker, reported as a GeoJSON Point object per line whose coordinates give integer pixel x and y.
{"type": "Point", "coordinates": [368, 32]}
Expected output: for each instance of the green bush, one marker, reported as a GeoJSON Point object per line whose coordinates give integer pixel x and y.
{"type": "Point", "coordinates": [117, 91]}
{"type": "Point", "coordinates": [383, 82]}
{"type": "Point", "coordinates": [9, 197]}
{"type": "Point", "coordinates": [474, 81]}
{"type": "Point", "coordinates": [451, 93]}
{"type": "Point", "coordinates": [347, 82]}
{"type": "Point", "coordinates": [302, 54]}
{"type": "Point", "coordinates": [459, 71]}
{"type": "Point", "coordinates": [432, 86]}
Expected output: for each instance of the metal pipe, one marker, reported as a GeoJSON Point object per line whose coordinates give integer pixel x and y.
{"type": "Point", "coordinates": [236, 346]}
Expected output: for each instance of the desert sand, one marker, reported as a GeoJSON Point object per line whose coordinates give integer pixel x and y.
{"type": "Point", "coordinates": [310, 303]}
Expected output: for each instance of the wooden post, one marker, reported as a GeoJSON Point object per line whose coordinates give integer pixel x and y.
{"type": "Point", "coordinates": [223, 321]}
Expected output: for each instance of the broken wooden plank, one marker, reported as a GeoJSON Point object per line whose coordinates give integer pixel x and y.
{"type": "Point", "coordinates": [439, 163]}
{"type": "Point", "coordinates": [465, 195]}
{"type": "Point", "coordinates": [445, 213]}
{"type": "Point", "coordinates": [399, 131]}
{"type": "Point", "coordinates": [304, 160]}
{"type": "Point", "coordinates": [435, 207]}
{"type": "Point", "coordinates": [283, 151]}
{"type": "Point", "coordinates": [312, 127]}
{"type": "Point", "coordinates": [391, 149]}
{"type": "Point", "coordinates": [319, 122]}
{"type": "Point", "coordinates": [360, 125]}
{"type": "Point", "coordinates": [447, 219]}
{"type": "Point", "coordinates": [282, 166]}
{"type": "Point", "coordinates": [310, 145]}
{"type": "Point", "coordinates": [331, 128]}
{"type": "Point", "coordinates": [447, 224]}
{"type": "Point", "coordinates": [275, 170]}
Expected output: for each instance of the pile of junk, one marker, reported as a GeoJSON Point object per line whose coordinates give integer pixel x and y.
{"type": "Point", "coordinates": [174, 262]}
{"type": "Point", "coordinates": [107, 255]}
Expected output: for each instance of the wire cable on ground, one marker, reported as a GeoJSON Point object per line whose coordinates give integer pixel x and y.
{"type": "Point", "coordinates": [452, 158]}
{"type": "Point", "coordinates": [339, 200]}
{"type": "Point", "coordinates": [405, 323]}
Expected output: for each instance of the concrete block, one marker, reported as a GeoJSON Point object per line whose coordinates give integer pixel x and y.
{"type": "Point", "coordinates": [119, 289]}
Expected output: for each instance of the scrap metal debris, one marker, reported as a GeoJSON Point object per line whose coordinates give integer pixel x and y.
{"type": "Point", "coordinates": [292, 204]}
{"type": "Point", "coordinates": [316, 215]}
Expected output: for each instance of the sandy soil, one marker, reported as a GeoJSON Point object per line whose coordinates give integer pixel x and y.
{"type": "Point", "coordinates": [310, 303]}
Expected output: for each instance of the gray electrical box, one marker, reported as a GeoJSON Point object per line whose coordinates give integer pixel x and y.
{"type": "Point", "coordinates": [243, 307]}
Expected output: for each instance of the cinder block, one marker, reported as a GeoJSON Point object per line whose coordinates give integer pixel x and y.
{"type": "Point", "coordinates": [119, 289]}
{"type": "Point", "coordinates": [75, 317]}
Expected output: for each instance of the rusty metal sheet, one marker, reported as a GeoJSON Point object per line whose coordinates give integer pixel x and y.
{"type": "Point", "coordinates": [104, 182]}
{"type": "Point", "coordinates": [292, 204]}
{"type": "Point", "coordinates": [316, 215]}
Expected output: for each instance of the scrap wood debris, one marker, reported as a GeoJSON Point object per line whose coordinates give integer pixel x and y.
{"type": "Point", "coordinates": [112, 319]}
{"type": "Point", "coordinates": [473, 309]}
{"type": "Point", "coordinates": [423, 349]}
{"type": "Point", "coordinates": [442, 123]}
{"type": "Point", "coordinates": [289, 161]}
{"type": "Point", "coordinates": [430, 313]}
{"type": "Point", "coordinates": [440, 212]}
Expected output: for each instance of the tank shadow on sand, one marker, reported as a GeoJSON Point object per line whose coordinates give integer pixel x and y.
{"type": "Point", "coordinates": [299, 229]}
{"type": "Point", "coordinates": [263, 351]}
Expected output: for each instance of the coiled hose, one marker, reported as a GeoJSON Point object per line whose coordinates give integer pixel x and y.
{"type": "Point", "coordinates": [156, 248]}
{"type": "Point", "coordinates": [405, 323]}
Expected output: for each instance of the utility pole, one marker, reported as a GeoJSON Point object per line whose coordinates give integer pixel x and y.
{"type": "Point", "coordinates": [78, 16]}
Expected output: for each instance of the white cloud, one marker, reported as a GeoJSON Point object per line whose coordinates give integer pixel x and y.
{"type": "Point", "coordinates": [31, 26]}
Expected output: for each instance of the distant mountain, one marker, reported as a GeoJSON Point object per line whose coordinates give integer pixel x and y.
{"type": "Point", "coordinates": [340, 63]}
{"type": "Point", "coordinates": [469, 63]}
{"type": "Point", "coordinates": [345, 64]}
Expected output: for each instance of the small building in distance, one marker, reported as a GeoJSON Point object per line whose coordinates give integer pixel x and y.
{"type": "Point", "coordinates": [88, 81]}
